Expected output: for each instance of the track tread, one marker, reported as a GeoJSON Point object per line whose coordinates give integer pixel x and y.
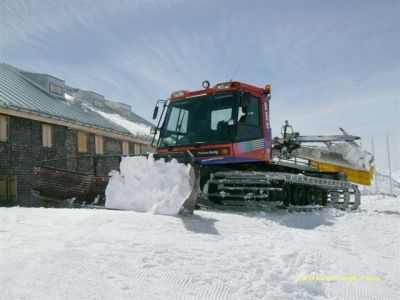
{"type": "Point", "coordinates": [258, 190]}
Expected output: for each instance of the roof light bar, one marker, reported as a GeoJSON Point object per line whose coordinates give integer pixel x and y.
{"type": "Point", "coordinates": [227, 85]}
{"type": "Point", "coordinates": [178, 94]}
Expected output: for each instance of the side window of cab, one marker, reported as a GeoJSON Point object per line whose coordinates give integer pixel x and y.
{"type": "Point", "coordinates": [249, 125]}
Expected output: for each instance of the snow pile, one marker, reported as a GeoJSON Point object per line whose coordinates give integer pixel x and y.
{"type": "Point", "coordinates": [148, 185]}
{"type": "Point", "coordinates": [137, 129]}
{"type": "Point", "coordinates": [356, 156]}
{"type": "Point", "coordinates": [337, 153]}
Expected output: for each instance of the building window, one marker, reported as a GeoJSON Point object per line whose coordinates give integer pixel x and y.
{"type": "Point", "coordinates": [136, 149]}
{"type": "Point", "coordinates": [82, 142]}
{"type": "Point", "coordinates": [3, 128]}
{"type": "Point", "coordinates": [56, 89]}
{"type": "Point", "coordinates": [47, 135]}
{"type": "Point", "coordinates": [125, 148]}
{"type": "Point", "coordinates": [98, 103]}
{"type": "Point", "coordinates": [99, 141]}
{"type": "Point", "coordinates": [8, 187]}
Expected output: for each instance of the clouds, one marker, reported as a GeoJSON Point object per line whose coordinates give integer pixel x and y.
{"type": "Point", "coordinates": [336, 59]}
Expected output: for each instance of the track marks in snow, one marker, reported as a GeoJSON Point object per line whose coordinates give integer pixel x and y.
{"type": "Point", "coordinates": [132, 277]}
{"type": "Point", "coordinates": [76, 254]}
{"type": "Point", "coordinates": [170, 284]}
{"type": "Point", "coordinates": [361, 290]}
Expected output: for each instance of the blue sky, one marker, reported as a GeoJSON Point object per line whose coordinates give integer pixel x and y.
{"type": "Point", "coordinates": [330, 63]}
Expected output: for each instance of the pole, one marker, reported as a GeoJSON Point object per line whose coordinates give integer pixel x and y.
{"type": "Point", "coordinates": [373, 153]}
{"type": "Point", "coordinates": [390, 170]}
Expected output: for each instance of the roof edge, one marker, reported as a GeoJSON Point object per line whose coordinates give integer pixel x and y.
{"type": "Point", "coordinates": [36, 85]}
{"type": "Point", "coordinates": [32, 115]}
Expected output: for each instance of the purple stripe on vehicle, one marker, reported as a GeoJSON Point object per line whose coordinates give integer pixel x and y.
{"type": "Point", "coordinates": [250, 146]}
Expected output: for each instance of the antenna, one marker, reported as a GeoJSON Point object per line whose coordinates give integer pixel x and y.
{"type": "Point", "coordinates": [234, 73]}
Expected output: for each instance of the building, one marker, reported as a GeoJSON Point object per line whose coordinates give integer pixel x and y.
{"type": "Point", "coordinates": [39, 121]}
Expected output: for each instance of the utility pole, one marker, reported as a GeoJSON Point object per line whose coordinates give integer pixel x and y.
{"type": "Point", "coordinates": [390, 170]}
{"type": "Point", "coordinates": [373, 153]}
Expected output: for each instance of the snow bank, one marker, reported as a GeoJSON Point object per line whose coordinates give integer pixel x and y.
{"type": "Point", "coordinates": [148, 185]}
{"type": "Point", "coordinates": [352, 154]}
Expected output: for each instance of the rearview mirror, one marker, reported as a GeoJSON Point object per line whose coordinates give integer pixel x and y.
{"type": "Point", "coordinates": [155, 112]}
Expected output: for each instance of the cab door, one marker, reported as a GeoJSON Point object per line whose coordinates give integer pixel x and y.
{"type": "Point", "coordinates": [249, 140]}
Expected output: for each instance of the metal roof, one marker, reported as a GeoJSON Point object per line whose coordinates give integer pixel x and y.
{"type": "Point", "coordinates": [139, 119]}
{"type": "Point", "coordinates": [18, 92]}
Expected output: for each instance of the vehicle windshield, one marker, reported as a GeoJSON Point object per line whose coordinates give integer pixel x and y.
{"type": "Point", "coordinates": [199, 120]}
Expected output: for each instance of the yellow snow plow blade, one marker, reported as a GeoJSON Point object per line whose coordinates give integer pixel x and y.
{"type": "Point", "coordinates": [356, 176]}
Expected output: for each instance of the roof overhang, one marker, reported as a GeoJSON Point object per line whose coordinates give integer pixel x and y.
{"type": "Point", "coordinates": [37, 116]}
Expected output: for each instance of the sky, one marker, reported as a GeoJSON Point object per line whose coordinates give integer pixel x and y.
{"type": "Point", "coordinates": [331, 64]}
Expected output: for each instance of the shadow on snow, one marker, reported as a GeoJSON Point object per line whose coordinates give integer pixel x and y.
{"type": "Point", "coordinates": [199, 224]}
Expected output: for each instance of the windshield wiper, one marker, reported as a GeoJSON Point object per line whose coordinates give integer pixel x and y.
{"type": "Point", "coordinates": [179, 122]}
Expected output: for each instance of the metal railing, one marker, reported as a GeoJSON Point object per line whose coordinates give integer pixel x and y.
{"type": "Point", "coordinates": [96, 165]}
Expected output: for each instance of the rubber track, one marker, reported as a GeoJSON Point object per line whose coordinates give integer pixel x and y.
{"type": "Point", "coordinates": [341, 194]}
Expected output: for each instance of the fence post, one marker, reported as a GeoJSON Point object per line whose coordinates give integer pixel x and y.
{"type": "Point", "coordinates": [373, 153]}
{"type": "Point", "coordinates": [390, 169]}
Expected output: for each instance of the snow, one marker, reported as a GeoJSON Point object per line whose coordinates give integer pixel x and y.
{"type": "Point", "coordinates": [136, 129]}
{"type": "Point", "coordinates": [147, 185]}
{"type": "Point", "coordinates": [108, 254]}
{"type": "Point", "coordinates": [396, 175]}
{"type": "Point", "coordinates": [68, 97]}
{"type": "Point", "coordinates": [383, 184]}
{"type": "Point", "coordinates": [353, 154]}
{"type": "Point", "coordinates": [118, 254]}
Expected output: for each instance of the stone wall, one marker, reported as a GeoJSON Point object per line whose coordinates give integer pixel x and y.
{"type": "Point", "coordinates": [23, 151]}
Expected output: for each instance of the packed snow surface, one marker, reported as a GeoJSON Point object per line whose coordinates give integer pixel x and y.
{"type": "Point", "coordinates": [147, 185]}
{"type": "Point", "coordinates": [108, 254]}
